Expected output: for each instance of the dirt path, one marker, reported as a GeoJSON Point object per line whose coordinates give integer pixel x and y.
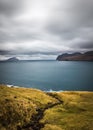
{"type": "Point", "coordinates": [35, 119]}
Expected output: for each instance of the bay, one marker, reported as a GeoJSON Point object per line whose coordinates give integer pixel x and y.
{"type": "Point", "coordinates": [48, 75]}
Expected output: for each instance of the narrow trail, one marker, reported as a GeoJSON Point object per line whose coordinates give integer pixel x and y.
{"type": "Point", "coordinates": [35, 119]}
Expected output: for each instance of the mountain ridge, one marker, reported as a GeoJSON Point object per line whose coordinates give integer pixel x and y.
{"type": "Point", "coordinates": [77, 56]}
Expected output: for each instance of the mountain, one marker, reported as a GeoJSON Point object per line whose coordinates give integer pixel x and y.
{"type": "Point", "coordinates": [13, 59]}
{"type": "Point", "coordinates": [32, 109]}
{"type": "Point", "coordinates": [87, 56]}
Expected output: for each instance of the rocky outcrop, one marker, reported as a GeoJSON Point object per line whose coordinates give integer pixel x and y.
{"type": "Point", "coordinates": [87, 56]}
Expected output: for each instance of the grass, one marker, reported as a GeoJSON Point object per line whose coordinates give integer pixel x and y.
{"type": "Point", "coordinates": [76, 113]}
{"type": "Point", "coordinates": [18, 105]}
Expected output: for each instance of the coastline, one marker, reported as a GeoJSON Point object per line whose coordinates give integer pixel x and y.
{"type": "Point", "coordinates": [49, 91]}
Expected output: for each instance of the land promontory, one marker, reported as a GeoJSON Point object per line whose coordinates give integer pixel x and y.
{"type": "Point", "coordinates": [87, 56]}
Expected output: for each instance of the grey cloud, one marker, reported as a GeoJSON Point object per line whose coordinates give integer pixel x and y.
{"type": "Point", "coordinates": [3, 52]}
{"type": "Point", "coordinates": [76, 14]}
{"type": "Point", "coordinates": [30, 53]}
{"type": "Point", "coordinates": [86, 45]}
{"type": "Point", "coordinates": [29, 27]}
{"type": "Point", "coordinates": [83, 12]}
{"type": "Point", "coordinates": [42, 52]}
{"type": "Point", "coordinates": [10, 7]}
{"type": "Point", "coordinates": [16, 32]}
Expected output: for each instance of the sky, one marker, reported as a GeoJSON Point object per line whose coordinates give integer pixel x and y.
{"type": "Point", "coordinates": [43, 29]}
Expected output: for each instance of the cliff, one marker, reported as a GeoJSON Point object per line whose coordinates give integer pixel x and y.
{"type": "Point", "coordinates": [87, 56]}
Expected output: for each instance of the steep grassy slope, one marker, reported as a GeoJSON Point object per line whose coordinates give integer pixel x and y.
{"type": "Point", "coordinates": [32, 109]}
{"type": "Point", "coordinates": [17, 105]}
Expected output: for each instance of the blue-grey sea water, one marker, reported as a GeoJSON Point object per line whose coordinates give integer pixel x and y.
{"type": "Point", "coordinates": [48, 75]}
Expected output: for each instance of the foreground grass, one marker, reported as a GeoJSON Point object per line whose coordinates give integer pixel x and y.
{"type": "Point", "coordinates": [76, 113]}
{"type": "Point", "coordinates": [18, 105]}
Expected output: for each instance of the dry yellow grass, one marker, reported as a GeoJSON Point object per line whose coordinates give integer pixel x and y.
{"type": "Point", "coordinates": [18, 105]}
{"type": "Point", "coordinates": [76, 113]}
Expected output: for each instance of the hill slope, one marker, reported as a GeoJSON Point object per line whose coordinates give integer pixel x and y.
{"type": "Point", "coordinates": [88, 56]}
{"type": "Point", "coordinates": [32, 109]}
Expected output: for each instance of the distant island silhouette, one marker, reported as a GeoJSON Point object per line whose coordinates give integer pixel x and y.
{"type": "Point", "coordinates": [77, 56]}
{"type": "Point", "coordinates": [13, 59]}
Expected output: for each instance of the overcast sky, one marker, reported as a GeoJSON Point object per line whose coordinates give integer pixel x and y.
{"type": "Point", "coordinates": [43, 29]}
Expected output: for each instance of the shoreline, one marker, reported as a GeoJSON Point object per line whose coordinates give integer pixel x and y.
{"type": "Point", "coordinates": [13, 86]}
{"type": "Point", "coordinates": [48, 91]}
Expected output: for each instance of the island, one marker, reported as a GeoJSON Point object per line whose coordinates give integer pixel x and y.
{"type": "Point", "coordinates": [32, 109]}
{"type": "Point", "coordinates": [13, 59]}
{"type": "Point", "coordinates": [87, 56]}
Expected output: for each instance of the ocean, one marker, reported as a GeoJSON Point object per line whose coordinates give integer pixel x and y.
{"type": "Point", "coordinates": [48, 75]}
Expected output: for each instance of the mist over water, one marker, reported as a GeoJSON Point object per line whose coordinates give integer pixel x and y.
{"type": "Point", "coordinates": [48, 75]}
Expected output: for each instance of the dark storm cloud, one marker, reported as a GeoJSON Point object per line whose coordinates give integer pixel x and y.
{"type": "Point", "coordinates": [3, 52]}
{"type": "Point", "coordinates": [86, 45]}
{"type": "Point", "coordinates": [9, 7]}
{"type": "Point", "coordinates": [44, 27]}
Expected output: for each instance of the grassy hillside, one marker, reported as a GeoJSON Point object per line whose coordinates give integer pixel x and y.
{"type": "Point", "coordinates": [76, 113]}
{"type": "Point", "coordinates": [32, 109]}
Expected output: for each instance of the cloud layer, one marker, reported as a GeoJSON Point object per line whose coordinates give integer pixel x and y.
{"type": "Point", "coordinates": [42, 29]}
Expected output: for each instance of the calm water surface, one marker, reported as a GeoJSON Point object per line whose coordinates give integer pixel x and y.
{"type": "Point", "coordinates": [48, 75]}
